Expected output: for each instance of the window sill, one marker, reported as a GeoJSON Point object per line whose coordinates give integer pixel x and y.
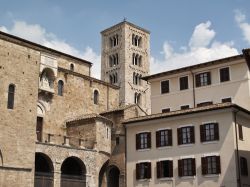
{"type": "Point", "coordinates": [188, 177]}
{"type": "Point", "coordinates": [144, 180]}
{"type": "Point", "coordinates": [186, 145]}
{"type": "Point", "coordinates": [210, 142]}
{"type": "Point", "coordinates": [141, 150]}
{"type": "Point", "coordinates": [165, 147]}
{"type": "Point", "coordinates": [211, 175]}
{"type": "Point", "coordinates": [165, 179]}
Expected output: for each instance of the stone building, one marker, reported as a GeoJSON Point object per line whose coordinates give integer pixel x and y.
{"type": "Point", "coordinates": [59, 125]}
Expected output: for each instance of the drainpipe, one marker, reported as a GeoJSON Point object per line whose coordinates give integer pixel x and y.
{"type": "Point", "coordinates": [194, 100]}
{"type": "Point", "coordinates": [237, 146]}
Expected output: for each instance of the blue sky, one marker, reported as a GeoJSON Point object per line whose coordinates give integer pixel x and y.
{"type": "Point", "coordinates": [182, 32]}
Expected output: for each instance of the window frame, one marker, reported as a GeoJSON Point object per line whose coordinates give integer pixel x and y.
{"type": "Point", "coordinates": [191, 137]}
{"type": "Point", "coordinates": [165, 110]}
{"type": "Point", "coordinates": [168, 90]}
{"type": "Point", "coordinates": [184, 107]}
{"type": "Point", "coordinates": [186, 86]}
{"type": "Point", "coordinates": [60, 87]}
{"type": "Point", "coordinates": [210, 167]}
{"type": "Point", "coordinates": [190, 168]}
{"type": "Point", "coordinates": [203, 83]}
{"type": "Point", "coordinates": [146, 141]}
{"type": "Point", "coordinates": [168, 138]}
{"type": "Point", "coordinates": [146, 168]}
{"type": "Point", "coordinates": [243, 166]}
{"type": "Point", "coordinates": [240, 131]}
{"type": "Point", "coordinates": [96, 97]}
{"type": "Point", "coordinates": [161, 169]}
{"type": "Point", "coordinates": [11, 96]}
{"type": "Point", "coordinates": [225, 100]}
{"type": "Point", "coordinates": [204, 135]}
{"type": "Point", "coordinates": [229, 74]}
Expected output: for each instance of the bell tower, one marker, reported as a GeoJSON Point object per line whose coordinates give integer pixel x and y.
{"type": "Point", "coordinates": [125, 60]}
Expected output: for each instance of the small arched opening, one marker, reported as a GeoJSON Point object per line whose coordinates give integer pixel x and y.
{"type": "Point", "coordinates": [96, 97]}
{"type": "Point", "coordinates": [73, 173]}
{"type": "Point", "coordinates": [72, 67]}
{"type": "Point", "coordinates": [44, 171]}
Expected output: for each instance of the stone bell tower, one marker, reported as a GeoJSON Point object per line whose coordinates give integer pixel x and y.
{"type": "Point", "coordinates": [125, 59]}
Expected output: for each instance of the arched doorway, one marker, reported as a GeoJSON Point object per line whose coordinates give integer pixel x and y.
{"type": "Point", "coordinates": [113, 176]}
{"type": "Point", "coordinates": [102, 182]}
{"type": "Point", "coordinates": [43, 171]}
{"type": "Point", "coordinates": [73, 173]}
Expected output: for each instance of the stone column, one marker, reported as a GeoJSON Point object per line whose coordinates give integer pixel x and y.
{"type": "Point", "coordinates": [57, 174]}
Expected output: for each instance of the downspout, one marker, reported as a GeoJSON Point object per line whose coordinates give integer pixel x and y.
{"type": "Point", "coordinates": [194, 99]}
{"type": "Point", "coordinates": [237, 146]}
{"type": "Point", "coordinates": [125, 155]}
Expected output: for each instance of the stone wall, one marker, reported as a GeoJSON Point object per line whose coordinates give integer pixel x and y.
{"type": "Point", "coordinates": [19, 65]}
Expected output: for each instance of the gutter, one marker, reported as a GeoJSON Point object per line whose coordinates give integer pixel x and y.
{"type": "Point", "coordinates": [237, 147]}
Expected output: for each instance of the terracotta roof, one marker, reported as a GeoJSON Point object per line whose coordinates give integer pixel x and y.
{"type": "Point", "coordinates": [185, 112]}
{"type": "Point", "coordinates": [36, 46]}
{"type": "Point", "coordinates": [126, 22]}
{"type": "Point", "coordinates": [121, 108]}
{"type": "Point", "coordinates": [196, 66]}
{"type": "Point", "coordinates": [85, 117]}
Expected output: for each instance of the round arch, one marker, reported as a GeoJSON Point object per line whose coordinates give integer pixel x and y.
{"type": "Point", "coordinates": [73, 172]}
{"type": "Point", "coordinates": [113, 176]}
{"type": "Point", "coordinates": [44, 170]}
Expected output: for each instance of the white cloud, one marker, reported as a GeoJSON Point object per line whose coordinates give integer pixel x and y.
{"type": "Point", "coordinates": [240, 18]}
{"type": "Point", "coordinates": [202, 35]}
{"type": "Point", "coordinates": [38, 34]}
{"type": "Point", "coordinates": [202, 47]}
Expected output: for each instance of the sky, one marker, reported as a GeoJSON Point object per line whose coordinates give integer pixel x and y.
{"type": "Point", "coordinates": [182, 32]}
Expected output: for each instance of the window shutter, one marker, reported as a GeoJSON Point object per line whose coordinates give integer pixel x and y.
{"type": "Point", "coordinates": [218, 167]}
{"type": "Point", "coordinates": [193, 167]}
{"type": "Point", "coordinates": [149, 139]}
{"type": "Point", "coordinates": [192, 134]}
{"type": "Point", "coordinates": [179, 136]}
{"type": "Point", "coordinates": [202, 133]}
{"type": "Point", "coordinates": [148, 170]}
{"type": "Point", "coordinates": [170, 167]}
{"type": "Point", "coordinates": [157, 138]}
{"type": "Point", "coordinates": [170, 140]}
{"type": "Point", "coordinates": [180, 168]}
{"type": "Point", "coordinates": [204, 165]}
{"type": "Point", "coordinates": [137, 171]}
{"type": "Point", "coordinates": [208, 78]}
{"type": "Point", "coordinates": [158, 167]}
{"type": "Point", "coordinates": [216, 131]}
{"type": "Point", "coordinates": [138, 141]}
{"type": "Point", "coordinates": [197, 80]}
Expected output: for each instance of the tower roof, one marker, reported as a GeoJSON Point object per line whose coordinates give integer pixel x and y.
{"type": "Point", "coordinates": [128, 23]}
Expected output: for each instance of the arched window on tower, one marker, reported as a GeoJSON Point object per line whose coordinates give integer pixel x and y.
{"type": "Point", "coordinates": [137, 98]}
{"type": "Point", "coordinates": [96, 97]}
{"type": "Point", "coordinates": [60, 87]}
{"type": "Point", "coordinates": [110, 79]}
{"type": "Point", "coordinates": [72, 67]}
{"type": "Point", "coordinates": [11, 95]}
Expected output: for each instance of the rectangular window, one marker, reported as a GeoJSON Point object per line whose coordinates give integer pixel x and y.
{"type": "Point", "coordinates": [204, 104]}
{"type": "Point", "coordinates": [164, 169]}
{"type": "Point", "coordinates": [186, 167]}
{"type": "Point", "coordinates": [224, 74]}
{"type": "Point", "coordinates": [243, 166]}
{"type": "Point", "coordinates": [165, 110]}
{"type": "Point", "coordinates": [184, 107]}
{"type": "Point", "coordinates": [186, 135]}
{"type": "Point", "coordinates": [165, 86]}
{"type": "Point", "coordinates": [143, 140]}
{"type": "Point", "coordinates": [184, 83]}
{"type": "Point", "coordinates": [209, 132]}
{"type": "Point", "coordinates": [164, 138]}
{"type": "Point", "coordinates": [203, 79]}
{"type": "Point", "coordinates": [210, 165]}
{"type": "Point", "coordinates": [143, 170]}
{"type": "Point", "coordinates": [226, 100]}
{"type": "Point", "coordinates": [240, 130]}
